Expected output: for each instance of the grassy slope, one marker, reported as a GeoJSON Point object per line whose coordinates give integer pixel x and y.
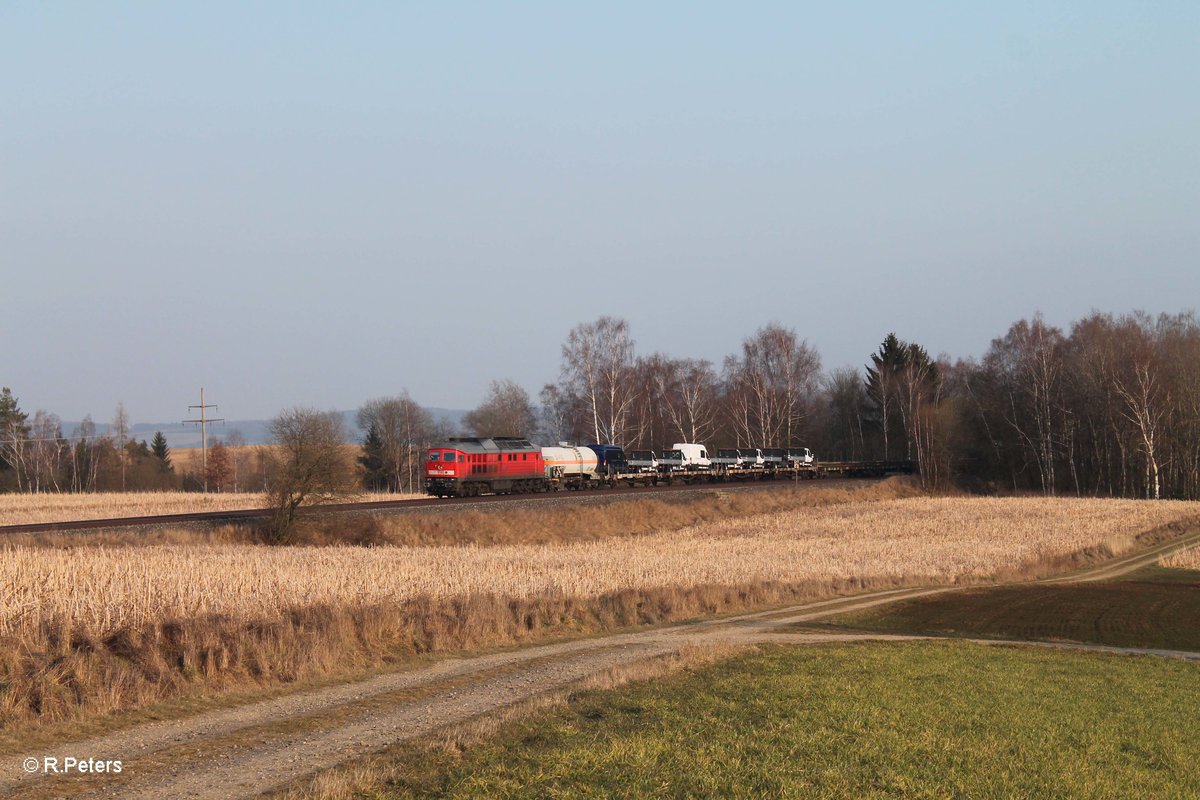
{"type": "Point", "coordinates": [901, 720]}
{"type": "Point", "coordinates": [1154, 607]}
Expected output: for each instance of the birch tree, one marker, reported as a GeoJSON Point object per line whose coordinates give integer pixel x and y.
{"type": "Point", "coordinates": [597, 360]}
{"type": "Point", "coordinates": [773, 384]}
{"type": "Point", "coordinates": [120, 434]}
{"type": "Point", "coordinates": [405, 429]}
{"type": "Point", "coordinates": [14, 435]}
{"type": "Point", "coordinates": [1027, 362]}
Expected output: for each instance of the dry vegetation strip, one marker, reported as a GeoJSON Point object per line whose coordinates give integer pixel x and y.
{"type": "Point", "coordinates": [924, 540]}
{"type": "Point", "coordinates": [95, 629]}
{"type": "Point", "coordinates": [1185, 559]}
{"type": "Point", "coordinates": [518, 523]}
{"type": "Point", "coordinates": [28, 509]}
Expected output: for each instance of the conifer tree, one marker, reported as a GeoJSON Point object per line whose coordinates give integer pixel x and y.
{"type": "Point", "coordinates": [882, 386]}
{"type": "Point", "coordinates": [14, 431]}
{"type": "Point", "coordinates": [158, 446]}
{"type": "Point", "coordinates": [372, 460]}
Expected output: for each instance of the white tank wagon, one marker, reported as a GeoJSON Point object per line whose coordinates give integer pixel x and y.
{"type": "Point", "coordinates": [570, 466]}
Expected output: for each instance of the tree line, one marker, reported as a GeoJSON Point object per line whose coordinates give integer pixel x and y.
{"type": "Point", "coordinates": [36, 456]}
{"type": "Point", "coordinates": [1108, 407]}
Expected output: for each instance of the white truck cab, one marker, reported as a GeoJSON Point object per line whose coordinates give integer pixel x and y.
{"type": "Point", "coordinates": [727, 458]}
{"type": "Point", "coordinates": [685, 456]}
{"type": "Point", "coordinates": [751, 457]}
{"type": "Point", "coordinates": [797, 456]}
{"type": "Point", "coordinates": [642, 461]}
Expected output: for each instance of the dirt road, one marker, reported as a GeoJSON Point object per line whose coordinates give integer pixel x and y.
{"type": "Point", "coordinates": [246, 750]}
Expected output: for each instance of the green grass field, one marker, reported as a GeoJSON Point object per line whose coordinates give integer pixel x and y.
{"type": "Point", "coordinates": [944, 719]}
{"type": "Point", "coordinates": [1154, 607]}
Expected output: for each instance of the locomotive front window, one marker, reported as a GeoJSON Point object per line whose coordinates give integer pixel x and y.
{"type": "Point", "coordinates": [434, 455]}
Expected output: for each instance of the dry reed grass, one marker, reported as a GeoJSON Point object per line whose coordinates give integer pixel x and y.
{"type": "Point", "coordinates": [1184, 559]}
{"type": "Point", "coordinates": [583, 523]}
{"type": "Point", "coordinates": [98, 629]}
{"type": "Point", "coordinates": [101, 590]}
{"type": "Point", "coordinates": [22, 509]}
{"type": "Point", "coordinates": [545, 524]}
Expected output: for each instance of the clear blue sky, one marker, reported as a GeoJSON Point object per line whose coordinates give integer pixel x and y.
{"type": "Point", "coordinates": [322, 203]}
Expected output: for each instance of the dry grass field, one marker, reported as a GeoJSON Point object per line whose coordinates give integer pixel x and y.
{"type": "Point", "coordinates": [92, 629]}
{"type": "Point", "coordinates": [921, 540]}
{"type": "Point", "coordinates": [21, 509]}
{"type": "Point", "coordinates": [1188, 559]}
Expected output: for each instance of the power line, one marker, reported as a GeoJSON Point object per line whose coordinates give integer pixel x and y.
{"type": "Point", "coordinates": [72, 438]}
{"type": "Point", "coordinates": [203, 423]}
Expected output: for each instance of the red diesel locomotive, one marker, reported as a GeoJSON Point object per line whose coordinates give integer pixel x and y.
{"type": "Point", "coordinates": [465, 466]}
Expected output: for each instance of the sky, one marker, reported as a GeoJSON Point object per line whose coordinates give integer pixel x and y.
{"type": "Point", "coordinates": [319, 204]}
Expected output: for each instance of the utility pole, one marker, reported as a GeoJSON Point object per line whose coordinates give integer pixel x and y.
{"type": "Point", "coordinates": [203, 423]}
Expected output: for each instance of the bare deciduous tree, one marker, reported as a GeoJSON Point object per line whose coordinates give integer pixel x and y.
{"type": "Point", "coordinates": [47, 453]}
{"type": "Point", "coordinates": [506, 411]}
{"type": "Point", "coordinates": [1027, 365]}
{"type": "Point", "coordinates": [845, 397]}
{"type": "Point", "coordinates": [1137, 379]}
{"type": "Point", "coordinates": [687, 390]}
{"type": "Point", "coordinates": [120, 434]}
{"type": "Point", "coordinates": [238, 457]}
{"type": "Point", "coordinates": [560, 416]}
{"type": "Point", "coordinates": [773, 385]}
{"type": "Point", "coordinates": [405, 429]}
{"type": "Point", "coordinates": [596, 363]}
{"type": "Point", "coordinates": [218, 473]}
{"type": "Point", "coordinates": [308, 465]}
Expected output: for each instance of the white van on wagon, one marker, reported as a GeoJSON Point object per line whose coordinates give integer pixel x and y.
{"type": "Point", "coordinates": [685, 456]}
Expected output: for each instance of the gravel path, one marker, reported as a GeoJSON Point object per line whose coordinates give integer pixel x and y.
{"type": "Point", "coordinates": [246, 750]}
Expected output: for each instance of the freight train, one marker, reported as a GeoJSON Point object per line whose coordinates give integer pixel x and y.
{"type": "Point", "coordinates": [469, 466]}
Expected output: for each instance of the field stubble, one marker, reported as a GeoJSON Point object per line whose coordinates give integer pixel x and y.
{"type": "Point", "coordinates": [100, 628]}
{"type": "Point", "coordinates": [28, 509]}
{"type": "Point", "coordinates": [1185, 559]}
{"type": "Point", "coordinates": [920, 540]}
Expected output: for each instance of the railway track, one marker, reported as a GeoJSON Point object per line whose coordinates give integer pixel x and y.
{"type": "Point", "coordinates": [425, 505]}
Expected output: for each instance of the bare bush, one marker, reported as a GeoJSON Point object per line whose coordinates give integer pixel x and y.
{"type": "Point", "coordinates": [307, 466]}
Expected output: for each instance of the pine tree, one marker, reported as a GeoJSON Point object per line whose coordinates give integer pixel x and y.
{"type": "Point", "coordinates": [372, 460]}
{"type": "Point", "coordinates": [158, 446]}
{"type": "Point", "coordinates": [13, 433]}
{"type": "Point", "coordinates": [882, 387]}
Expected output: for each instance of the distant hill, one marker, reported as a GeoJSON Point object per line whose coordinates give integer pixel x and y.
{"type": "Point", "coordinates": [254, 431]}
